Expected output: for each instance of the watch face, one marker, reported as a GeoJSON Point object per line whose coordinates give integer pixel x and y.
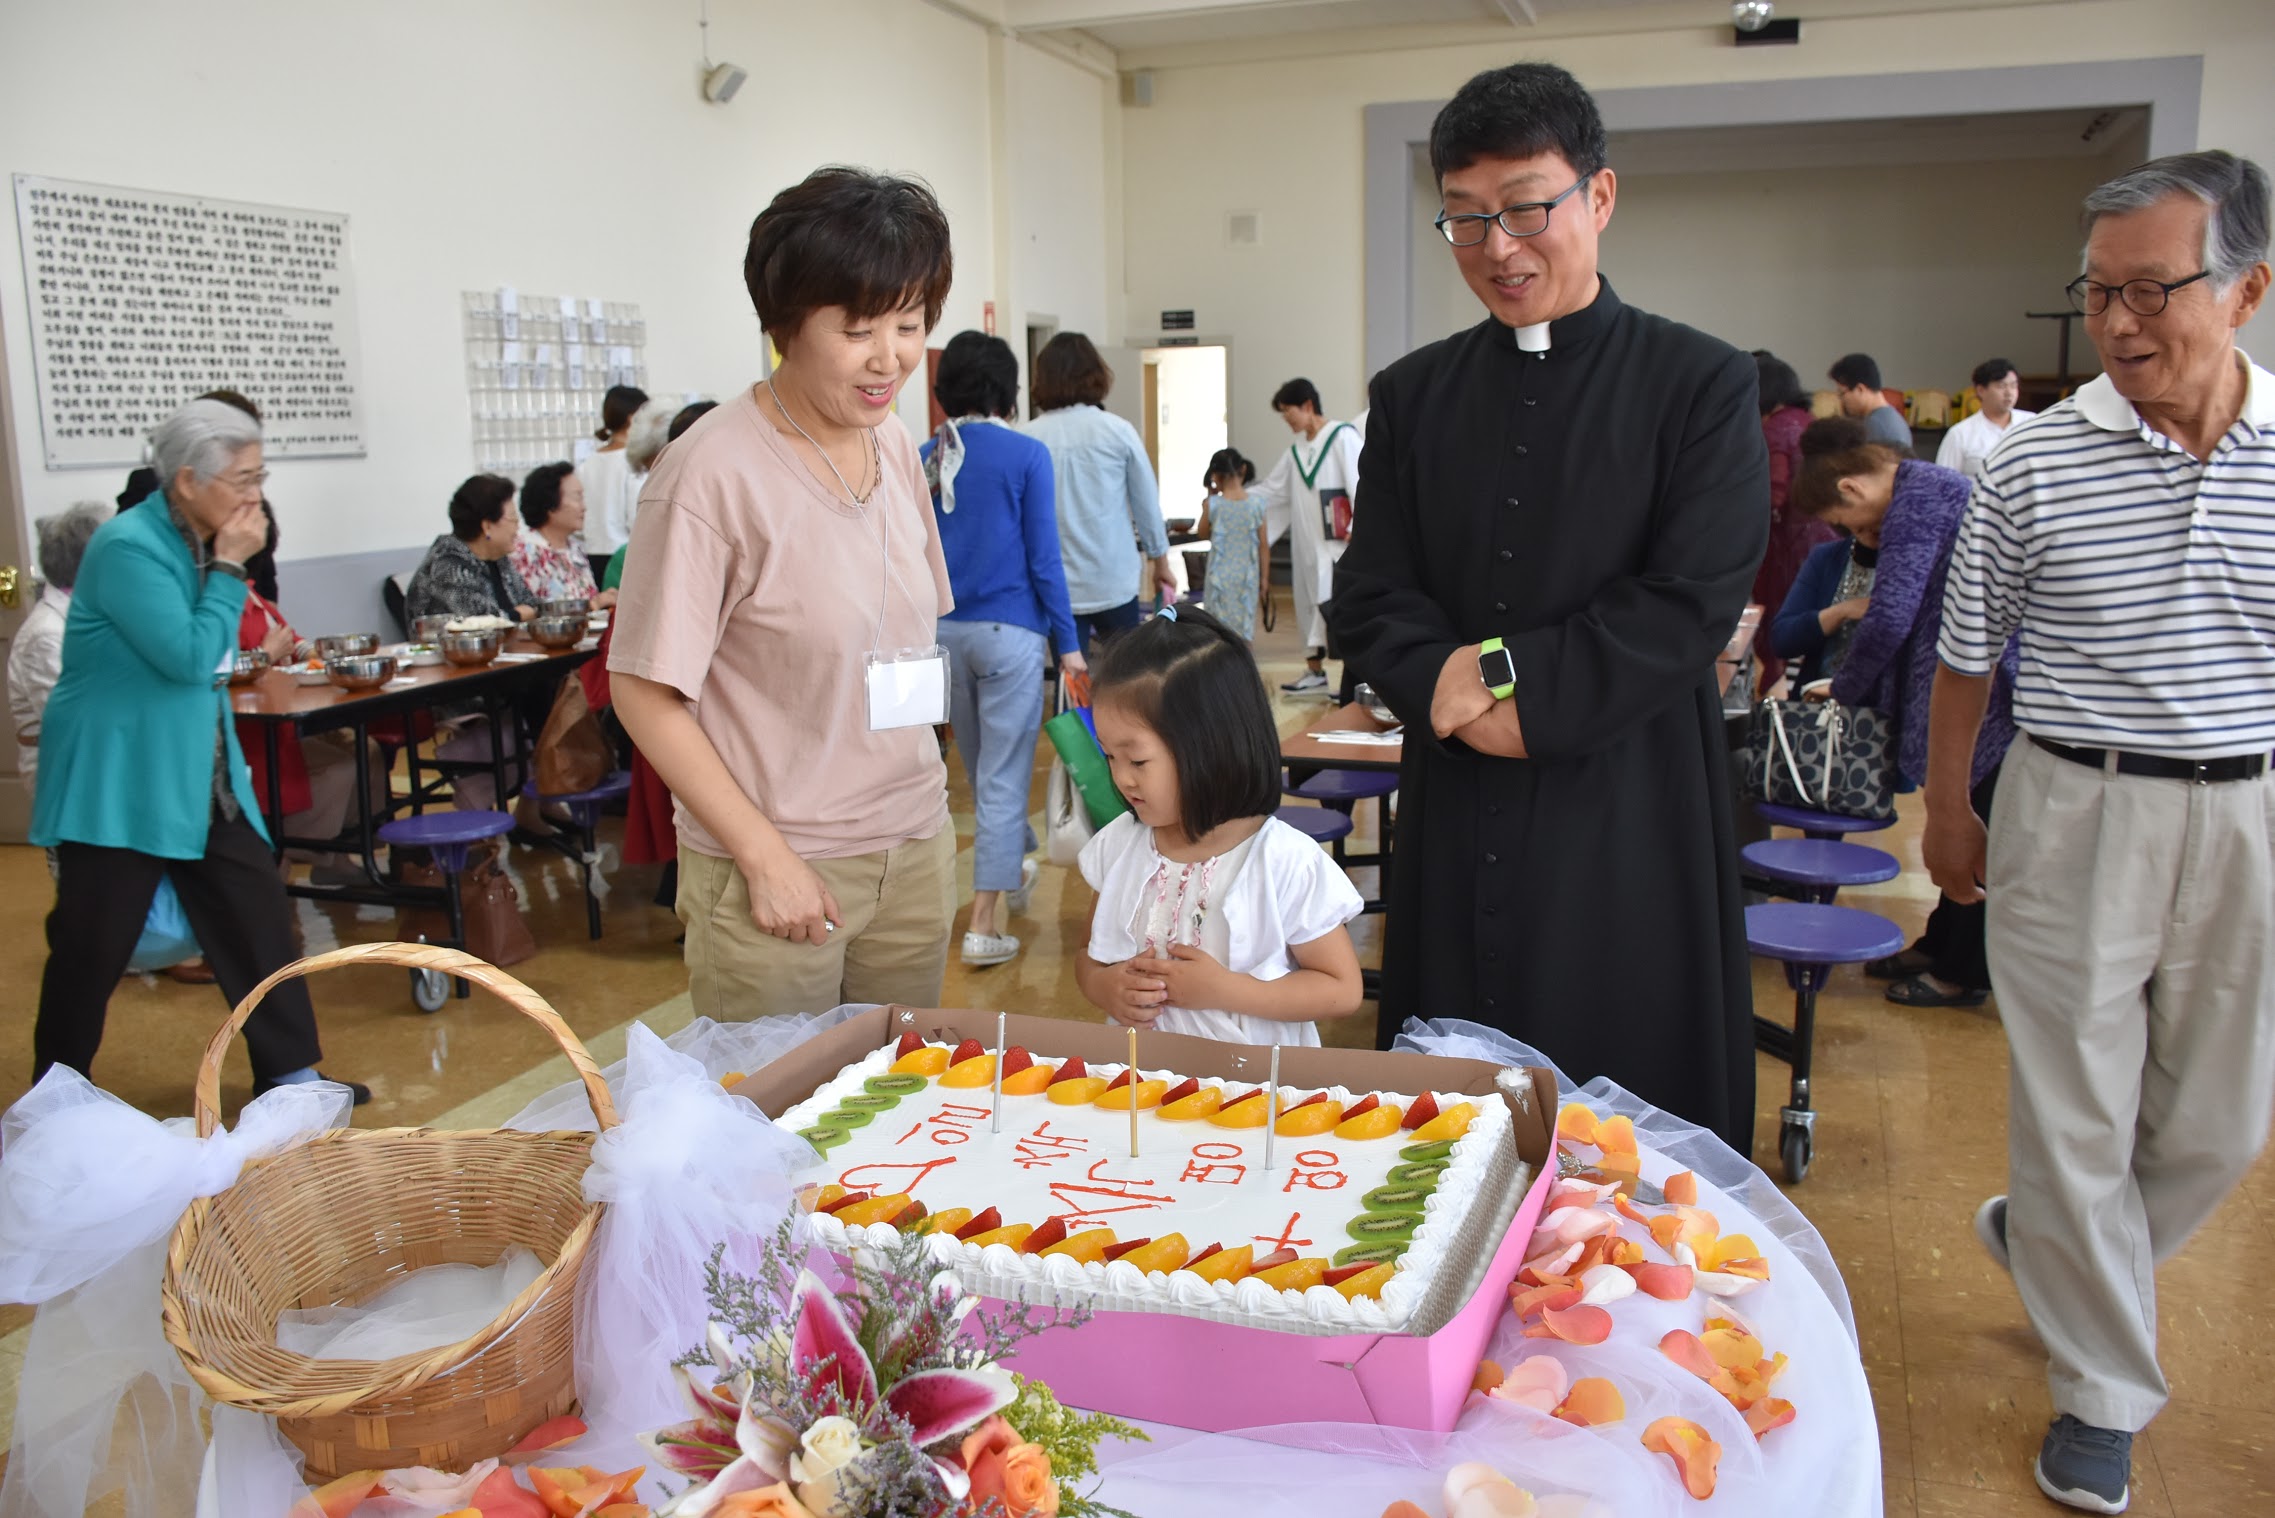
{"type": "Point", "coordinates": [1497, 668]}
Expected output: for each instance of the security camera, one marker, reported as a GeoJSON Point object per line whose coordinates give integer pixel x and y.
{"type": "Point", "coordinates": [1752, 15]}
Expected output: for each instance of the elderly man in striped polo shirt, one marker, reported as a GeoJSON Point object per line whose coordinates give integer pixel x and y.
{"type": "Point", "coordinates": [2128, 535]}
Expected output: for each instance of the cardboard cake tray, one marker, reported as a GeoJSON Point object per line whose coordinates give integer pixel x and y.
{"type": "Point", "coordinates": [1205, 1374]}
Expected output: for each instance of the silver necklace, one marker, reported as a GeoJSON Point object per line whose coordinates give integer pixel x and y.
{"type": "Point", "coordinates": [875, 468]}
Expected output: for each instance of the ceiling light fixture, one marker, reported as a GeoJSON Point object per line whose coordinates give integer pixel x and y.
{"type": "Point", "coordinates": [1752, 15]}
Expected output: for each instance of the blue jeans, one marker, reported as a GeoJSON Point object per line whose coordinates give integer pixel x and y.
{"type": "Point", "coordinates": [995, 700]}
{"type": "Point", "coordinates": [1095, 627]}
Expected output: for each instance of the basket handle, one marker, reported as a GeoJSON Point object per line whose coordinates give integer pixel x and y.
{"type": "Point", "coordinates": [412, 956]}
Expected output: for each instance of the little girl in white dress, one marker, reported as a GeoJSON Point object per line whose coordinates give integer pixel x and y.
{"type": "Point", "coordinates": [1213, 918]}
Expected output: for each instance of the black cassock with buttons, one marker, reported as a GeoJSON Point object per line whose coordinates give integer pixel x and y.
{"type": "Point", "coordinates": [1600, 506]}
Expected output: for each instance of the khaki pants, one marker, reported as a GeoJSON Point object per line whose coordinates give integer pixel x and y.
{"type": "Point", "coordinates": [891, 947]}
{"type": "Point", "coordinates": [2132, 946]}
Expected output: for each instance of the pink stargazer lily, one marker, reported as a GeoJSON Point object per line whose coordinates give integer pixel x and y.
{"type": "Point", "coordinates": [936, 1404]}
{"type": "Point", "coordinates": [728, 1445]}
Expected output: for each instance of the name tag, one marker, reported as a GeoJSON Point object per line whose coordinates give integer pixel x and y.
{"type": "Point", "coordinates": [906, 687]}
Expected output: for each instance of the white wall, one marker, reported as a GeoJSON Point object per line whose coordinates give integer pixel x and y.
{"type": "Point", "coordinates": [559, 146]}
{"type": "Point", "coordinates": [1285, 138]}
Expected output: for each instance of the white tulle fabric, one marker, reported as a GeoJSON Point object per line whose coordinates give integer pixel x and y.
{"type": "Point", "coordinates": [90, 1189]}
{"type": "Point", "coordinates": [1825, 1463]}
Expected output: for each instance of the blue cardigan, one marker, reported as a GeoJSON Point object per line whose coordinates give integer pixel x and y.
{"type": "Point", "coordinates": [126, 746]}
{"type": "Point", "coordinates": [1002, 540]}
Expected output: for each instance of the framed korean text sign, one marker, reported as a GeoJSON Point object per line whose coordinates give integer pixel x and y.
{"type": "Point", "coordinates": [141, 299]}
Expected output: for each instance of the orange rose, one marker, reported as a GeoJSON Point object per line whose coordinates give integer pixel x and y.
{"type": "Point", "coordinates": [1010, 1472]}
{"type": "Point", "coordinates": [774, 1501]}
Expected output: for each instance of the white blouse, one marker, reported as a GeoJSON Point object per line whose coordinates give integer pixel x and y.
{"type": "Point", "coordinates": [1245, 908]}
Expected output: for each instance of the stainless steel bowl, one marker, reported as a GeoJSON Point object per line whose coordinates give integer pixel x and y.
{"type": "Point", "coordinates": [346, 644]}
{"type": "Point", "coordinates": [470, 650]}
{"type": "Point", "coordinates": [360, 671]}
{"type": "Point", "coordinates": [575, 607]}
{"type": "Point", "coordinates": [429, 629]}
{"type": "Point", "coordinates": [558, 632]}
{"type": "Point", "coordinates": [250, 665]}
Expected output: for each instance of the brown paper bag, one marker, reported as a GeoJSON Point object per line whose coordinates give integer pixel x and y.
{"type": "Point", "coordinates": [572, 752]}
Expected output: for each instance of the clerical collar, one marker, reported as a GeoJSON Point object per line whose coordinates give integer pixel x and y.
{"type": "Point", "coordinates": [1571, 330]}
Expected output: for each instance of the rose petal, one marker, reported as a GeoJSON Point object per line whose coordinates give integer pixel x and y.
{"type": "Point", "coordinates": [1669, 1283]}
{"type": "Point", "coordinates": [1615, 1135]}
{"type": "Point", "coordinates": [1571, 1225]}
{"type": "Point", "coordinates": [1576, 1123]}
{"type": "Point", "coordinates": [1769, 1413]}
{"type": "Point", "coordinates": [1403, 1509]}
{"type": "Point", "coordinates": [1731, 1350]}
{"type": "Point", "coordinates": [1500, 1499]}
{"type": "Point", "coordinates": [1530, 1300]}
{"type": "Point", "coordinates": [1574, 1325]}
{"type": "Point", "coordinates": [1555, 1263]}
{"type": "Point", "coordinates": [1489, 1375]}
{"type": "Point", "coordinates": [1681, 1188]}
{"type": "Point", "coordinates": [1624, 1251]}
{"type": "Point", "coordinates": [1468, 1477]}
{"type": "Point", "coordinates": [1593, 1400]}
{"type": "Point", "coordinates": [1717, 1283]}
{"type": "Point", "coordinates": [1694, 1453]}
{"type": "Point", "coordinates": [1684, 1348]}
{"type": "Point", "coordinates": [338, 1497]}
{"type": "Point", "coordinates": [1629, 1210]}
{"type": "Point", "coordinates": [1604, 1285]}
{"type": "Point", "coordinates": [1714, 1253]}
{"type": "Point", "coordinates": [1538, 1382]}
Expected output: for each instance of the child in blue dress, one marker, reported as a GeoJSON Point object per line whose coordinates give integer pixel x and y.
{"type": "Point", "coordinates": [1233, 522]}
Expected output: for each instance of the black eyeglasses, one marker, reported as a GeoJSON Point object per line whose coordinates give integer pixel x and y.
{"type": "Point", "coordinates": [1527, 219]}
{"type": "Point", "coordinates": [2142, 297]}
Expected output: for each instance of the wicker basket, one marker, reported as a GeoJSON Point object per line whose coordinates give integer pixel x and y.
{"type": "Point", "coordinates": [347, 1214]}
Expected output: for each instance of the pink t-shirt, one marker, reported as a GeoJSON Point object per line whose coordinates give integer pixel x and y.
{"type": "Point", "coordinates": [754, 591]}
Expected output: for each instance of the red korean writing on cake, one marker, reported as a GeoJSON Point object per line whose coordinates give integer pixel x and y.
{"type": "Point", "coordinates": [1105, 1195]}
{"type": "Point", "coordinates": [1211, 1165]}
{"type": "Point", "coordinates": [1285, 1238]}
{"type": "Point", "coordinates": [1314, 1171]}
{"type": "Point", "coordinates": [950, 1126]}
{"type": "Point", "coordinates": [1043, 1148]}
{"type": "Point", "coordinates": [891, 1177]}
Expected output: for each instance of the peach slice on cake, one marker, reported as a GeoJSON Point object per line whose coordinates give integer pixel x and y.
{"type": "Point", "coordinates": [1356, 1281]}
{"type": "Point", "coordinates": [877, 1209]}
{"type": "Point", "coordinates": [1449, 1124]}
{"type": "Point", "coordinates": [1203, 1101]}
{"type": "Point", "coordinates": [945, 1222]}
{"type": "Point", "coordinates": [1117, 1098]}
{"type": "Point", "coordinates": [1309, 1119]}
{"type": "Point", "coordinates": [1370, 1119]}
{"type": "Point", "coordinates": [1086, 1247]}
{"type": "Point", "coordinates": [926, 1059]}
{"type": "Point", "coordinates": [1295, 1275]}
{"type": "Point", "coordinates": [1166, 1253]}
{"type": "Point", "coordinates": [1015, 1235]}
{"type": "Point", "coordinates": [1030, 1080]}
{"type": "Point", "coordinates": [979, 1070]}
{"type": "Point", "coordinates": [1216, 1263]}
{"type": "Point", "coordinates": [1248, 1111]}
{"type": "Point", "coordinates": [1080, 1092]}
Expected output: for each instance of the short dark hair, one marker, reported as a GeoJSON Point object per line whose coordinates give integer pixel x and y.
{"type": "Point", "coordinates": [478, 502]}
{"type": "Point", "coordinates": [689, 415]}
{"type": "Point", "coordinates": [1855, 369]}
{"type": "Point", "coordinates": [1298, 392]}
{"type": "Point", "coordinates": [617, 408]}
{"type": "Point", "coordinates": [1228, 461]}
{"type": "Point", "coordinates": [1520, 111]}
{"type": "Point", "coordinates": [1991, 370]}
{"type": "Point", "coordinates": [541, 493]}
{"type": "Point", "coordinates": [233, 398]}
{"type": "Point", "coordinates": [979, 376]}
{"type": "Point", "coordinates": [1780, 386]}
{"type": "Point", "coordinates": [1832, 449]}
{"type": "Point", "coordinates": [1069, 372]}
{"type": "Point", "coordinates": [1193, 681]}
{"type": "Point", "coordinates": [841, 236]}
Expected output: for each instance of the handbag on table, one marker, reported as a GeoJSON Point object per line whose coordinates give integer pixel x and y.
{"type": "Point", "coordinates": [1823, 756]}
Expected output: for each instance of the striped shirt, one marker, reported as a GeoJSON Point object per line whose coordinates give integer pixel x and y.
{"type": "Point", "coordinates": [2141, 579]}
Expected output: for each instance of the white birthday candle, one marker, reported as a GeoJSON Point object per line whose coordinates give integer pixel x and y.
{"type": "Point", "coordinates": [995, 1117]}
{"type": "Point", "coordinates": [1272, 1108]}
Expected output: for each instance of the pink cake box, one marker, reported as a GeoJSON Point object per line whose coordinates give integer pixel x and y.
{"type": "Point", "coordinates": [1201, 1374]}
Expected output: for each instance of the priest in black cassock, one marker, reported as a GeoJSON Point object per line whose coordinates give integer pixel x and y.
{"type": "Point", "coordinates": [1558, 520]}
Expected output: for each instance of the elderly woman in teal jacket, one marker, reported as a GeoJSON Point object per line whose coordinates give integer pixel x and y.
{"type": "Point", "coordinates": [140, 775]}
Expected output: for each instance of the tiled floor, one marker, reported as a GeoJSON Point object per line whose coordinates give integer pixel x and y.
{"type": "Point", "coordinates": [1910, 1138]}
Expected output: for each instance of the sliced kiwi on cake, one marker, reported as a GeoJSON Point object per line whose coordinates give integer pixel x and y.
{"type": "Point", "coordinates": [894, 1086]}
{"type": "Point", "coordinates": [1396, 1198]}
{"type": "Point", "coordinates": [824, 1139]}
{"type": "Point", "coordinates": [866, 1101]}
{"type": "Point", "coordinates": [1423, 1153]}
{"type": "Point", "coordinates": [1384, 1227]}
{"type": "Point", "coordinates": [1415, 1172]}
{"type": "Point", "coordinates": [1387, 1252]}
{"type": "Point", "coordinates": [847, 1116]}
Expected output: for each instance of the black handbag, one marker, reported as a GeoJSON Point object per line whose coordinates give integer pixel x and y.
{"type": "Point", "coordinates": [1822, 756]}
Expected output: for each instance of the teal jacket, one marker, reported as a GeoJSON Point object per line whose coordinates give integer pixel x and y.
{"type": "Point", "coordinates": [126, 746]}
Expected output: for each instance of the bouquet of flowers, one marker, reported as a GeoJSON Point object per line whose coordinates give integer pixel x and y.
{"type": "Point", "coordinates": [878, 1401]}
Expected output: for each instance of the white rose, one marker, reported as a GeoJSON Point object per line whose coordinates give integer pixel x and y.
{"type": "Point", "coordinates": [826, 1452]}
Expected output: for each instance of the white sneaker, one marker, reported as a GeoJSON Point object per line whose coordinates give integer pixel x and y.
{"type": "Point", "coordinates": [1023, 898]}
{"type": "Point", "coordinates": [1312, 683]}
{"type": "Point", "coordinates": [984, 949]}
{"type": "Point", "coordinates": [1990, 1227]}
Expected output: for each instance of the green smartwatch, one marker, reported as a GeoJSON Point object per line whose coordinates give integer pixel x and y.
{"type": "Point", "coordinates": [1497, 669]}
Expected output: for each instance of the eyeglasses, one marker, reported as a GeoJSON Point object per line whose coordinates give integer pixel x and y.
{"type": "Point", "coordinates": [2142, 297]}
{"type": "Point", "coordinates": [1526, 219]}
{"type": "Point", "coordinates": [244, 481]}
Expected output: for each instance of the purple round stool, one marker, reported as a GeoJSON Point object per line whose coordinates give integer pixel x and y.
{"type": "Point", "coordinates": [1815, 824]}
{"type": "Point", "coordinates": [447, 837]}
{"type": "Point", "coordinates": [1808, 938]}
{"type": "Point", "coordinates": [584, 813]}
{"type": "Point", "coordinates": [1319, 824]}
{"type": "Point", "coordinates": [1343, 788]}
{"type": "Point", "coordinates": [1818, 866]}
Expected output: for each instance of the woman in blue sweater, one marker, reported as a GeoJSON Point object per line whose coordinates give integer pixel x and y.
{"type": "Point", "coordinates": [992, 494]}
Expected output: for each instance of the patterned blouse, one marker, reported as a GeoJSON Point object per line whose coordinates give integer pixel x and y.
{"type": "Point", "coordinates": [453, 582]}
{"type": "Point", "coordinates": [553, 574]}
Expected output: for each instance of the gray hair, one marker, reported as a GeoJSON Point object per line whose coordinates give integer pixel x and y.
{"type": "Point", "coordinates": [63, 540]}
{"type": "Point", "coordinates": [201, 437]}
{"type": "Point", "coordinates": [2235, 190]}
{"type": "Point", "coordinates": [650, 430]}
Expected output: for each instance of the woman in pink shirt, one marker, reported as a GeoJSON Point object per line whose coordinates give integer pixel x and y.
{"type": "Point", "coordinates": [775, 653]}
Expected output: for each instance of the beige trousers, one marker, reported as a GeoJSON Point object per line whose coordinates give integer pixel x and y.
{"type": "Point", "coordinates": [891, 947]}
{"type": "Point", "coordinates": [2132, 946]}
